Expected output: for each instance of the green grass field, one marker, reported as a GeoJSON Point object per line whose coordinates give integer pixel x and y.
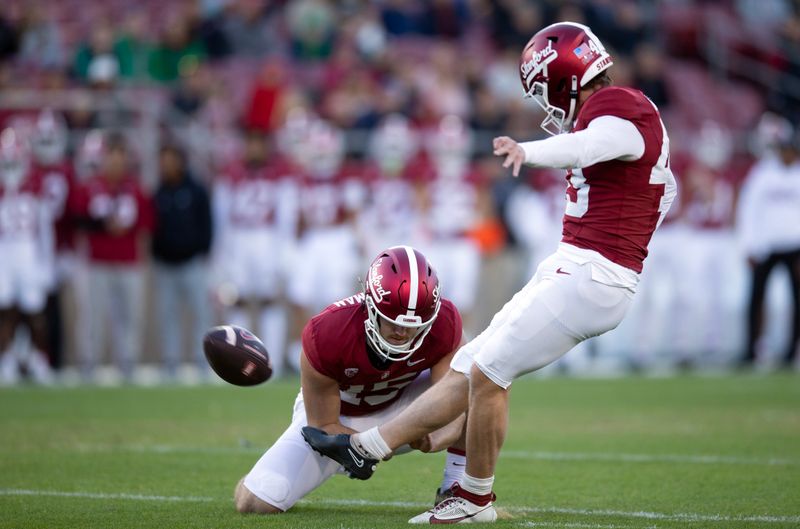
{"type": "Point", "coordinates": [719, 452]}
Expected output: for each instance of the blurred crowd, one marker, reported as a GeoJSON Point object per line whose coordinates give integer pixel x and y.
{"type": "Point", "coordinates": [243, 160]}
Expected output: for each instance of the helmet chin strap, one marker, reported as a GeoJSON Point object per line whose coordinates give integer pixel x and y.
{"type": "Point", "coordinates": [573, 101]}
{"type": "Point", "coordinates": [385, 349]}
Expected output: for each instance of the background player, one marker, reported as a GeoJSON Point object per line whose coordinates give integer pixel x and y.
{"type": "Point", "coordinates": [26, 233]}
{"type": "Point", "coordinates": [250, 201]}
{"type": "Point", "coordinates": [620, 187]}
{"type": "Point", "coordinates": [365, 358]}
{"type": "Point", "coordinates": [53, 168]}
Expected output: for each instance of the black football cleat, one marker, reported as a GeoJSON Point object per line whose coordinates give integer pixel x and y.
{"type": "Point", "coordinates": [338, 448]}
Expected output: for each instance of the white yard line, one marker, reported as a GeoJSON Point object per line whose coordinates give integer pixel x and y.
{"type": "Point", "coordinates": [679, 517]}
{"type": "Point", "coordinates": [703, 459]}
{"type": "Point", "coordinates": [649, 458]}
{"type": "Point", "coordinates": [581, 525]}
{"type": "Point", "coordinates": [103, 495]}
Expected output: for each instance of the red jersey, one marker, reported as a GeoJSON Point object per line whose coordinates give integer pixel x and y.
{"type": "Point", "coordinates": [335, 344]}
{"type": "Point", "coordinates": [124, 204]}
{"type": "Point", "coordinates": [326, 202]}
{"type": "Point", "coordinates": [254, 194]}
{"type": "Point", "coordinates": [615, 206]}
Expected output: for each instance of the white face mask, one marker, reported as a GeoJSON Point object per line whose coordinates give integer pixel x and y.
{"type": "Point", "coordinates": [556, 120]}
{"type": "Point", "coordinates": [386, 349]}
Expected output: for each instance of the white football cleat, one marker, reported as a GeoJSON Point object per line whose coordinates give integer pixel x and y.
{"type": "Point", "coordinates": [457, 510]}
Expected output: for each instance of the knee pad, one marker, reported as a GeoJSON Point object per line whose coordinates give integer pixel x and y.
{"type": "Point", "coordinates": [270, 487]}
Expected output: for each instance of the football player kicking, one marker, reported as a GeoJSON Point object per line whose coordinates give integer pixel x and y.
{"type": "Point", "coordinates": [365, 358]}
{"type": "Point", "coordinates": [620, 187]}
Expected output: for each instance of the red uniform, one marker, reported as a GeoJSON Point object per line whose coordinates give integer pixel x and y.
{"type": "Point", "coordinates": [615, 206]}
{"type": "Point", "coordinates": [124, 204]}
{"type": "Point", "coordinates": [254, 194]}
{"type": "Point", "coordinates": [326, 202]}
{"type": "Point", "coordinates": [335, 344]}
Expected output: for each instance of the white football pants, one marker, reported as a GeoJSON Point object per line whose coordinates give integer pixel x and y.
{"type": "Point", "coordinates": [559, 308]}
{"type": "Point", "coordinates": [290, 468]}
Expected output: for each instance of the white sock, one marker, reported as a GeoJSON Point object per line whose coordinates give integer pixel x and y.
{"type": "Point", "coordinates": [454, 468]}
{"type": "Point", "coordinates": [479, 486]}
{"type": "Point", "coordinates": [370, 444]}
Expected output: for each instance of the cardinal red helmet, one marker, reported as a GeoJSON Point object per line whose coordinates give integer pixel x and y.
{"type": "Point", "coordinates": [555, 64]}
{"type": "Point", "coordinates": [401, 288]}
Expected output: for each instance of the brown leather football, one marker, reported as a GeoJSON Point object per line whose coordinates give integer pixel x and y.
{"type": "Point", "coordinates": [237, 355]}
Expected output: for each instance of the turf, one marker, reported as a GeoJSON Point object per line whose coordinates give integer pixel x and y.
{"type": "Point", "coordinates": [689, 451]}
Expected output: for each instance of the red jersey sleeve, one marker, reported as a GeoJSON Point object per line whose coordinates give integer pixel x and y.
{"type": "Point", "coordinates": [312, 352]}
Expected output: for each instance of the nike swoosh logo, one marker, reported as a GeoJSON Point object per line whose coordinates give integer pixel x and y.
{"type": "Point", "coordinates": [358, 460]}
{"type": "Point", "coordinates": [434, 520]}
{"type": "Point", "coordinates": [459, 465]}
{"type": "Point", "coordinates": [560, 271]}
{"type": "Point", "coordinates": [410, 363]}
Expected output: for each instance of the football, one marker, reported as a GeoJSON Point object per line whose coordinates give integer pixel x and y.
{"type": "Point", "coordinates": [237, 355]}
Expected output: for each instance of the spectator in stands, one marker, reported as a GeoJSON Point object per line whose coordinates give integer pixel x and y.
{"type": "Point", "coordinates": [441, 84]}
{"type": "Point", "coordinates": [446, 18]}
{"type": "Point", "coordinates": [41, 45]}
{"type": "Point", "coordinates": [175, 52]}
{"type": "Point", "coordinates": [353, 104]}
{"type": "Point", "coordinates": [132, 47]}
{"type": "Point", "coordinates": [253, 29]}
{"type": "Point", "coordinates": [763, 15]}
{"type": "Point", "coordinates": [402, 18]}
{"type": "Point", "coordinates": [649, 76]}
{"type": "Point", "coordinates": [263, 112]}
{"type": "Point", "coordinates": [180, 245]}
{"type": "Point", "coordinates": [9, 36]}
{"type": "Point", "coordinates": [206, 21]}
{"type": "Point", "coordinates": [628, 28]}
{"type": "Point", "coordinates": [768, 222]}
{"type": "Point", "coordinates": [488, 114]}
{"type": "Point", "coordinates": [118, 215]}
{"type": "Point", "coordinates": [191, 92]}
{"type": "Point", "coordinates": [312, 29]}
{"type": "Point", "coordinates": [96, 57]}
{"type": "Point", "coordinates": [367, 32]}
{"type": "Point", "coordinates": [787, 97]}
